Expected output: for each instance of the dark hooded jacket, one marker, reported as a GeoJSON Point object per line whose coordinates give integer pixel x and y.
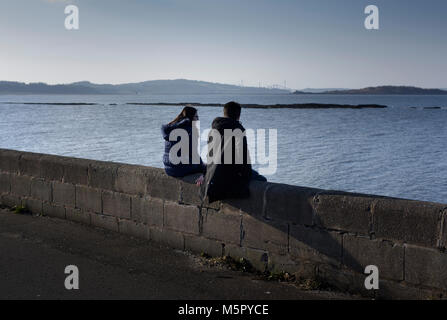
{"type": "Point", "coordinates": [222, 180]}
{"type": "Point", "coordinates": [181, 169]}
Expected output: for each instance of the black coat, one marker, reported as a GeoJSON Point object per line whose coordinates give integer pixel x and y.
{"type": "Point", "coordinates": [222, 180]}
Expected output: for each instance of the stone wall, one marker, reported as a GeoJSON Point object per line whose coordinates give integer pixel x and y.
{"type": "Point", "coordinates": [329, 235]}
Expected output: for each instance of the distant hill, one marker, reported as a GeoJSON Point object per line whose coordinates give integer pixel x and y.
{"type": "Point", "coordinates": [404, 90]}
{"type": "Point", "coordinates": [320, 90]}
{"type": "Point", "coordinates": [178, 86]}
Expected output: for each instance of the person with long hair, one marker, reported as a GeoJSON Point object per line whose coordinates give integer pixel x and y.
{"type": "Point", "coordinates": [183, 121]}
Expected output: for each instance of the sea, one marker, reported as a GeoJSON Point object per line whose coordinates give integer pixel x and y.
{"type": "Point", "coordinates": [399, 151]}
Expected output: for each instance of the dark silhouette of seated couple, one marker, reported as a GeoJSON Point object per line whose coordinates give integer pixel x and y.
{"type": "Point", "coordinates": [228, 171]}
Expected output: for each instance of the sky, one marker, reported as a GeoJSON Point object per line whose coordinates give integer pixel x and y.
{"type": "Point", "coordinates": [304, 43]}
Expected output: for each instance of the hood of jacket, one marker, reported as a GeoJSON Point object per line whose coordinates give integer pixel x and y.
{"type": "Point", "coordinates": [167, 128]}
{"type": "Point", "coordinates": [222, 123]}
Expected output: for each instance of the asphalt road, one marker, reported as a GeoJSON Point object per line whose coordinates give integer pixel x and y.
{"type": "Point", "coordinates": [34, 252]}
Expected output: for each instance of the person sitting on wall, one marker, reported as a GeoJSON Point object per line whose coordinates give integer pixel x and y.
{"type": "Point", "coordinates": [184, 122]}
{"type": "Point", "coordinates": [229, 171]}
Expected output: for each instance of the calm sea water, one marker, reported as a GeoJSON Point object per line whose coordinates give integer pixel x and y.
{"type": "Point", "coordinates": [400, 151]}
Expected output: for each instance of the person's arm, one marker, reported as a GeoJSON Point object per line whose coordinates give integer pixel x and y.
{"type": "Point", "coordinates": [165, 132]}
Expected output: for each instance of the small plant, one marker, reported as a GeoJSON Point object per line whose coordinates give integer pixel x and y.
{"type": "Point", "coordinates": [19, 209]}
{"type": "Point", "coordinates": [245, 265]}
{"type": "Point", "coordinates": [229, 262]}
{"type": "Point", "coordinates": [303, 283]}
{"type": "Point", "coordinates": [310, 284]}
{"type": "Point", "coordinates": [280, 276]}
{"type": "Point", "coordinates": [205, 255]}
{"type": "Point", "coordinates": [313, 283]}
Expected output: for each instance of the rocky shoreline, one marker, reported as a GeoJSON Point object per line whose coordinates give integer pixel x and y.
{"type": "Point", "coordinates": [272, 106]}
{"type": "Point", "coordinates": [196, 104]}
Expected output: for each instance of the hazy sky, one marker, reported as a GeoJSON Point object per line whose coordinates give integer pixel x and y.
{"type": "Point", "coordinates": [308, 43]}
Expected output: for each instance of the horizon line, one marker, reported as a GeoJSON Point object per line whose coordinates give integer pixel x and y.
{"type": "Point", "coordinates": [230, 84]}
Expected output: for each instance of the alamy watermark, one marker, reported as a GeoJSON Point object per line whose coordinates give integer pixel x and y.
{"type": "Point", "coordinates": [232, 142]}
{"type": "Point", "coordinates": [72, 280]}
{"type": "Point", "coordinates": [372, 280]}
{"type": "Point", "coordinates": [72, 19]}
{"type": "Point", "coordinates": [372, 20]}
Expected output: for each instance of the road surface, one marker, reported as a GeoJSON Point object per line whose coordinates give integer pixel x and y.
{"type": "Point", "coordinates": [35, 251]}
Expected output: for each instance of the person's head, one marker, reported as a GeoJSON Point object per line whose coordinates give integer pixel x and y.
{"type": "Point", "coordinates": [232, 110]}
{"type": "Point", "coordinates": [188, 112]}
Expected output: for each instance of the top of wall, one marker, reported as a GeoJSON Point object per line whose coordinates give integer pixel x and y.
{"type": "Point", "coordinates": [408, 221]}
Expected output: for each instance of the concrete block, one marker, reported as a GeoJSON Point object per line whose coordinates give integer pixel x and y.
{"type": "Point", "coordinates": [5, 182]}
{"type": "Point", "coordinates": [132, 179]}
{"type": "Point", "coordinates": [259, 233]}
{"type": "Point", "coordinates": [203, 245]}
{"type": "Point", "coordinates": [401, 291]}
{"type": "Point", "coordinates": [52, 167]}
{"type": "Point", "coordinates": [104, 222]}
{"type": "Point", "coordinates": [76, 171]}
{"type": "Point", "coordinates": [311, 244]}
{"type": "Point", "coordinates": [134, 229]}
{"type": "Point", "coordinates": [215, 205]}
{"type": "Point", "coordinates": [33, 205]}
{"type": "Point", "coordinates": [189, 191]}
{"type": "Point", "coordinates": [29, 164]}
{"type": "Point", "coordinates": [344, 280]}
{"type": "Point", "coordinates": [53, 210]}
{"type": "Point", "coordinates": [88, 199]}
{"type": "Point", "coordinates": [284, 263]}
{"type": "Point", "coordinates": [10, 200]}
{"type": "Point", "coordinates": [257, 258]}
{"type": "Point", "coordinates": [9, 160]}
{"type": "Point", "coordinates": [408, 221]}
{"type": "Point", "coordinates": [116, 204]}
{"type": "Point", "coordinates": [102, 175]}
{"type": "Point", "coordinates": [163, 187]}
{"type": "Point", "coordinates": [360, 252]}
{"type": "Point", "coordinates": [41, 189]}
{"type": "Point", "coordinates": [442, 242]}
{"type": "Point", "coordinates": [147, 210]}
{"type": "Point", "coordinates": [290, 203]}
{"type": "Point", "coordinates": [181, 218]}
{"type": "Point", "coordinates": [78, 215]}
{"type": "Point", "coordinates": [426, 267]}
{"type": "Point", "coordinates": [167, 237]}
{"type": "Point", "coordinates": [254, 205]}
{"type": "Point", "coordinates": [64, 194]}
{"type": "Point", "coordinates": [20, 185]}
{"type": "Point", "coordinates": [343, 212]}
{"type": "Point", "coordinates": [224, 225]}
